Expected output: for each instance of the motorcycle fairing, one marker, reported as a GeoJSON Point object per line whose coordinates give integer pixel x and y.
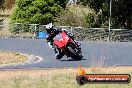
{"type": "Point", "coordinates": [61, 39]}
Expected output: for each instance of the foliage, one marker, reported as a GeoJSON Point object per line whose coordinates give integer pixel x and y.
{"type": "Point", "coordinates": [70, 18]}
{"type": "Point", "coordinates": [62, 3]}
{"type": "Point", "coordinates": [101, 15]}
{"type": "Point", "coordinates": [6, 4]}
{"type": "Point", "coordinates": [94, 4]}
{"type": "Point", "coordinates": [2, 4]}
{"type": "Point", "coordinates": [121, 12]}
{"type": "Point", "coordinates": [90, 19]}
{"type": "Point", "coordinates": [9, 4]}
{"type": "Point", "coordinates": [35, 11]}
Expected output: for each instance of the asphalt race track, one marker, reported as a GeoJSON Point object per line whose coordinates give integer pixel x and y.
{"type": "Point", "coordinates": [95, 53]}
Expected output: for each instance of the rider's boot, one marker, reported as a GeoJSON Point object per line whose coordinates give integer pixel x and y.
{"type": "Point", "coordinates": [58, 57]}
{"type": "Point", "coordinates": [58, 54]}
{"type": "Point", "coordinates": [78, 44]}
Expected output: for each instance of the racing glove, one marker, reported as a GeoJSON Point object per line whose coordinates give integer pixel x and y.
{"type": "Point", "coordinates": [50, 45]}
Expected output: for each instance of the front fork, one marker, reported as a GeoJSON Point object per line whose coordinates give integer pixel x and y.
{"type": "Point", "coordinates": [76, 46]}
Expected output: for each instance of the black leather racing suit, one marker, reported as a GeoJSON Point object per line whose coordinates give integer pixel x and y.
{"type": "Point", "coordinates": [49, 38]}
{"type": "Point", "coordinates": [51, 34]}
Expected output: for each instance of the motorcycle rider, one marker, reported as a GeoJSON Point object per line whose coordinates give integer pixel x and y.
{"type": "Point", "coordinates": [52, 32]}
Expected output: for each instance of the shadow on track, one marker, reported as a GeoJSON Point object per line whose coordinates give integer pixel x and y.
{"type": "Point", "coordinates": [72, 60]}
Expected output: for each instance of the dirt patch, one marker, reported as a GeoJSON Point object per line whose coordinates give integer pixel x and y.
{"type": "Point", "coordinates": [7, 58]}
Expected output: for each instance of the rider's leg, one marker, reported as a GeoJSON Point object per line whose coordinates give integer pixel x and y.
{"type": "Point", "coordinates": [75, 41]}
{"type": "Point", "coordinates": [59, 56]}
{"type": "Point", "coordinates": [58, 53]}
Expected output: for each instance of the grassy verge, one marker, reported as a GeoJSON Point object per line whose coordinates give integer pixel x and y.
{"type": "Point", "coordinates": [56, 78]}
{"type": "Point", "coordinates": [7, 58]}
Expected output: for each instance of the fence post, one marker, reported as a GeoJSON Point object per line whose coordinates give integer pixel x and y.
{"type": "Point", "coordinates": [35, 29]}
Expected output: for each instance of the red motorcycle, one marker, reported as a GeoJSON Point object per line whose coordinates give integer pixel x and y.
{"type": "Point", "coordinates": [67, 46]}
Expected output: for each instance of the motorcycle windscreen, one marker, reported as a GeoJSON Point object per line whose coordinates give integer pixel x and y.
{"type": "Point", "coordinates": [61, 39]}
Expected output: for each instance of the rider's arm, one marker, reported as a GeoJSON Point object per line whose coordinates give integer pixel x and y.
{"type": "Point", "coordinates": [49, 41]}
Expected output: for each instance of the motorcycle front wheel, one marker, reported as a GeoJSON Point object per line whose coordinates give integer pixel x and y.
{"type": "Point", "coordinates": [74, 54]}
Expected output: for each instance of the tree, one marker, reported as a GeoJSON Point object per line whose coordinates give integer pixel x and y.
{"type": "Point", "coordinates": [35, 11]}
{"type": "Point", "coordinates": [2, 4]}
{"type": "Point", "coordinates": [121, 12]}
{"type": "Point", "coordinates": [101, 15]}
{"type": "Point", "coordinates": [96, 5]}
{"type": "Point", "coordinates": [62, 3]}
{"type": "Point", "coordinates": [9, 4]}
